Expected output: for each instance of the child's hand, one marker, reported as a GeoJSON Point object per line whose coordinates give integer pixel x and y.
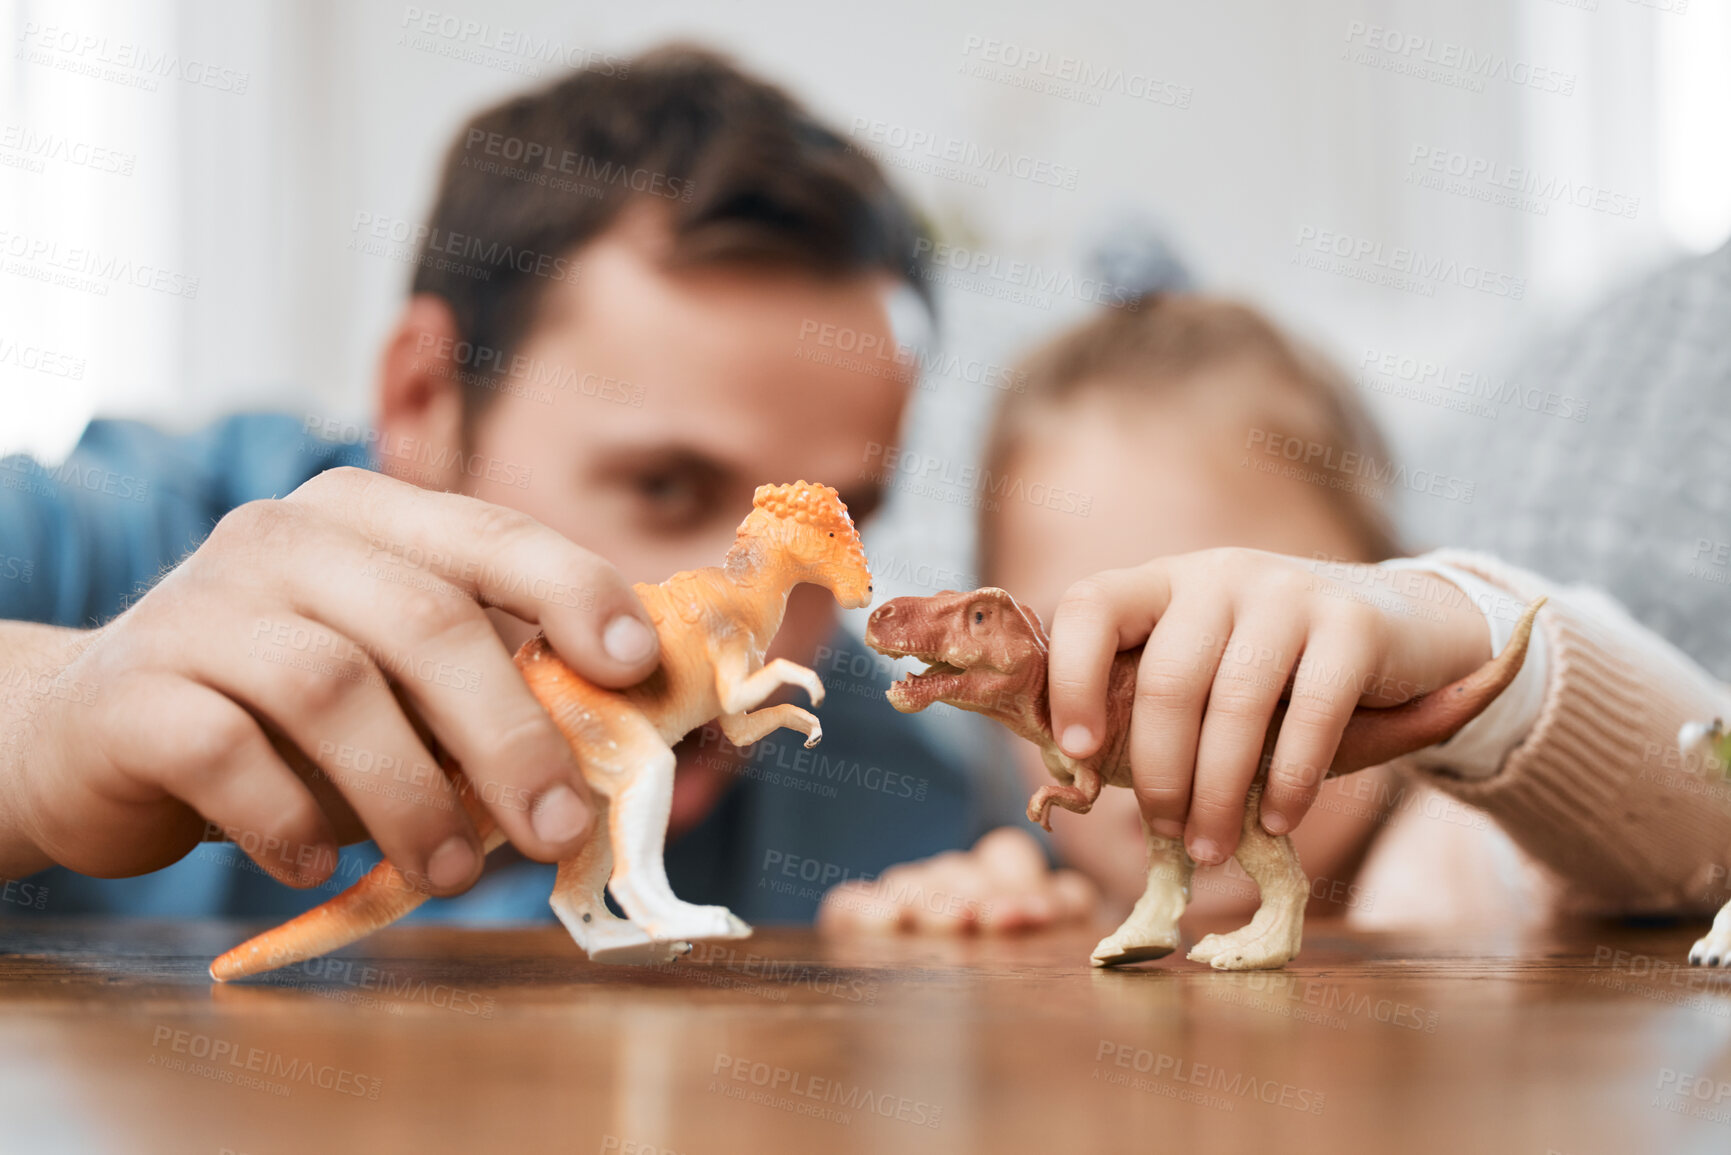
{"type": "Point", "coordinates": [1001, 885]}
{"type": "Point", "coordinates": [273, 640]}
{"type": "Point", "coordinates": [1229, 632]}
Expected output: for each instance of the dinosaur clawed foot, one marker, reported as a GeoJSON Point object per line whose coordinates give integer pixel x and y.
{"type": "Point", "coordinates": [644, 953]}
{"type": "Point", "coordinates": [1138, 942]}
{"type": "Point", "coordinates": [1128, 945]}
{"type": "Point", "coordinates": [698, 923]}
{"type": "Point", "coordinates": [1713, 950]}
{"type": "Point", "coordinates": [1265, 944]}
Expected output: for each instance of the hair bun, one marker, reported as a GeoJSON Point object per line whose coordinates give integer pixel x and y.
{"type": "Point", "coordinates": [1132, 253]}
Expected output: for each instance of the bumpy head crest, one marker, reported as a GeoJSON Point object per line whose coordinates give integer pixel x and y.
{"type": "Point", "coordinates": [809, 503]}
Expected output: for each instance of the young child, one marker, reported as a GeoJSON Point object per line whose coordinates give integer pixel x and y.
{"type": "Point", "coordinates": [1245, 469]}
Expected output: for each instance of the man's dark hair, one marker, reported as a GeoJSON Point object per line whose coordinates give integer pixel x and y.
{"type": "Point", "coordinates": [740, 171]}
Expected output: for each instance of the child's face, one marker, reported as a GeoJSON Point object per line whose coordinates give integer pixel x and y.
{"type": "Point", "coordinates": [1165, 477]}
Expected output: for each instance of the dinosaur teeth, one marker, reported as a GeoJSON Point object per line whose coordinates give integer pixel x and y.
{"type": "Point", "coordinates": [935, 666]}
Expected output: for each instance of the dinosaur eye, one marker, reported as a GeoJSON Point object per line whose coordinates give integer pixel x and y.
{"type": "Point", "coordinates": [832, 535]}
{"type": "Point", "coordinates": [979, 616]}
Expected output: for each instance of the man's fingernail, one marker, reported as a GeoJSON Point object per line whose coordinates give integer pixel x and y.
{"type": "Point", "coordinates": [628, 640]}
{"type": "Point", "coordinates": [1076, 739]}
{"type": "Point", "coordinates": [1275, 823]}
{"type": "Point", "coordinates": [1204, 850]}
{"type": "Point", "coordinates": [451, 864]}
{"type": "Point", "coordinates": [1166, 828]}
{"type": "Point", "coordinates": [559, 816]}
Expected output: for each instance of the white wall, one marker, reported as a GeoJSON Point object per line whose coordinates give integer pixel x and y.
{"type": "Point", "coordinates": [254, 193]}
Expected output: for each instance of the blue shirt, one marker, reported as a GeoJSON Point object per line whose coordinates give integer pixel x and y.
{"type": "Point", "coordinates": [79, 540]}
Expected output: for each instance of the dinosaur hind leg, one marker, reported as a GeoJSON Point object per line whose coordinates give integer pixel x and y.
{"type": "Point", "coordinates": [636, 775]}
{"type": "Point", "coordinates": [1273, 937]}
{"type": "Point", "coordinates": [579, 899]}
{"type": "Point", "coordinates": [1151, 931]}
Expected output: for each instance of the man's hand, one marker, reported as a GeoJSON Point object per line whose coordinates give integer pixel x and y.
{"type": "Point", "coordinates": [326, 630]}
{"type": "Point", "coordinates": [1228, 633]}
{"type": "Point", "coordinates": [1001, 885]}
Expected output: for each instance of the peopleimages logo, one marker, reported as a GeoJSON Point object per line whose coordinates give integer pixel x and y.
{"type": "Point", "coordinates": [1513, 186]}
{"type": "Point", "coordinates": [40, 147]}
{"type": "Point", "coordinates": [526, 46]}
{"type": "Point", "coordinates": [928, 474]}
{"type": "Point", "coordinates": [1328, 465]}
{"type": "Point", "coordinates": [225, 1060]}
{"type": "Point", "coordinates": [121, 61]}
{"type": "Point", "coordinates": [476, 256]}
{"type": "Point", "coordinates": [1066, 77]}
{"type": "Point", "coordinates": [955, 150]}
{"type": "Point", "coordinates": [1462, 389]}
{"type": "Point", "coordinates": [1445, 61]}
{"type": "Point", "coordinates": [552, 161]}
{"type": "Point", "coordinates": [1399, 266]}
{"type": "Point", "coordinates": [824, 343]}
{"type": "Point", "coordinates": [87, 269]}
{"type": "Point", "coordinates": [802, 1093]}
{"type": "Point", "coordinates": [955, 265]}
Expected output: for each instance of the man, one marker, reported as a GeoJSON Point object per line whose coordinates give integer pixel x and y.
{"type": "Point", "coordinates": [605, 344]}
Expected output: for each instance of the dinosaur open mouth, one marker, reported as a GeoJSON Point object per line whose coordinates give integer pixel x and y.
{"type": "Point", "coordinates": [934, 667]}
{"type": "Point", "coordinates": [915, 691]}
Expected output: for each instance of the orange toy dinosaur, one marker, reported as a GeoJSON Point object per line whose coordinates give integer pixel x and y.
{"type": "Point", "coordinates": [714, 625]}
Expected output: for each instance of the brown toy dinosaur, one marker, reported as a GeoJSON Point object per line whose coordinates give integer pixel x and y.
{"type": "Point", "coordinates": [986, 653]}
{"type": "Point", "coordinates": [714, 625]}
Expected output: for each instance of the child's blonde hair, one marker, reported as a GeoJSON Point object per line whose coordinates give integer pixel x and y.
{"type": "Point", "coordinates": [1161, 346]}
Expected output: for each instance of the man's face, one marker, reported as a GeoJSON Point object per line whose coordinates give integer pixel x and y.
{"type": "Point", "coordinates": [652, 403]}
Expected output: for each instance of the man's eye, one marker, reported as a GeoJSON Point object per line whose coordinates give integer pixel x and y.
{"type": "Point", "coordinates": [673, 501]}
{"type": "Point", "coordinates": [667, 488]}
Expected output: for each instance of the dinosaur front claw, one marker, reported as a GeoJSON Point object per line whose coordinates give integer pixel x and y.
{"type": "Point", "coordinates": [1069, 797]}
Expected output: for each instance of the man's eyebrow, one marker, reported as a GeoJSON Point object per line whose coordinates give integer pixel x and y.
{"type": "Point", "coordinates": [862, 502]}
{"type": "Point", "coordinates": [666, 453]}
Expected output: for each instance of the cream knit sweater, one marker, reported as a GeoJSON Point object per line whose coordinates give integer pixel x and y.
{"type": "Point", "coordinates": [1595, 810]}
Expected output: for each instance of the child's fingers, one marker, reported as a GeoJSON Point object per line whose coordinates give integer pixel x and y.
{"type": "Point", "coordinates": [1012, 858]}
{"type": "Point", "coordinates": [1001, 886]}
{"type": "Point", "coordinates": [1098, 616]}
{"type": "Point", "coordinates": [1075, 894]}
{"type": "Point", "coordinates": [855, 905]}
{"type": "Point", "coordinates": [1172, 683]}
{"type": "Point", "coordinates": [1253, 670]}
{"type": "Point", "coordinates": [1325, 691]}
{"type": "Point", "coordinates": [949, 893]}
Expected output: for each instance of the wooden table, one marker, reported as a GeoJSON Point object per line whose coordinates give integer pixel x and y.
{"type": "Point", "coordinates": [429, 1040]}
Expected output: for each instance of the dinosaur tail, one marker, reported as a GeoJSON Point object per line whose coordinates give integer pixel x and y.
{"type": "Point", "coordinates": [380, 898]}
{"type": "Point", "coordinates": [1373, 737]}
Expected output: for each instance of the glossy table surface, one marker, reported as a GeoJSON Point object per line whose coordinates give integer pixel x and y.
{"type": "Point", "coordinates": [423, 1039]}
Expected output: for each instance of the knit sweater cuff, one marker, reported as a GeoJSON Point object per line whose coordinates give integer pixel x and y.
{"type": "Point", "coordinates": [1598, 791]}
